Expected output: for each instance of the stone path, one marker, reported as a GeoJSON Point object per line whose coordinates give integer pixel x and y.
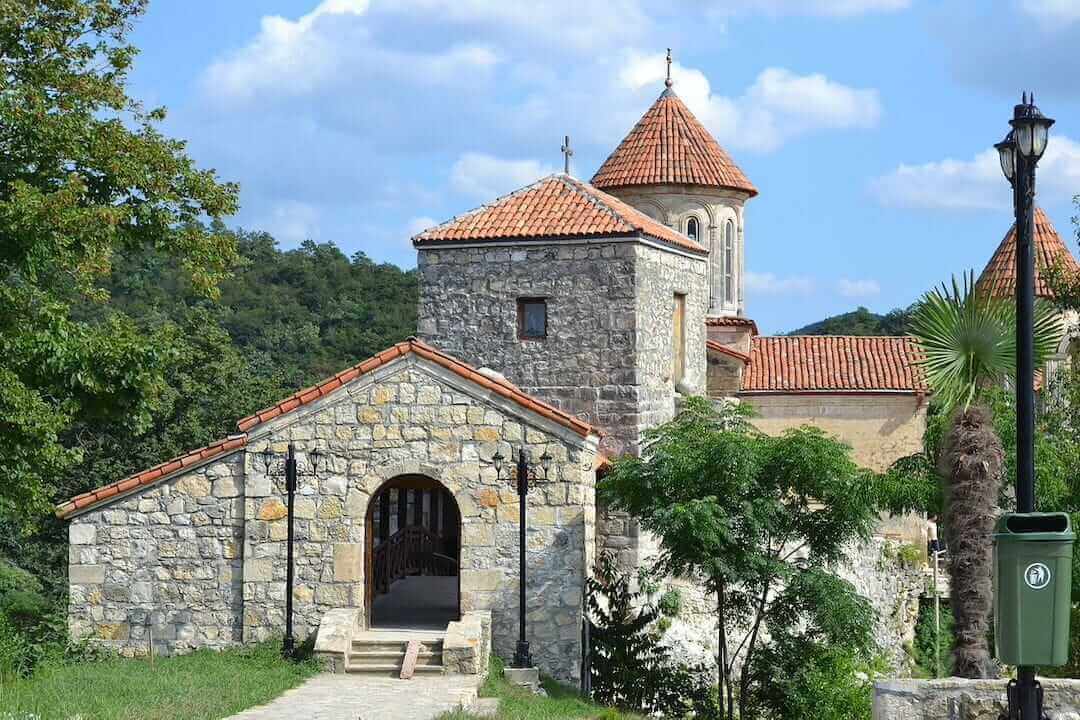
{"type": "Point", "coordinates": [367, 697]}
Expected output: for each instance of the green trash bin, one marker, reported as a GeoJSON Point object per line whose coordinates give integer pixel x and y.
{"type": "Point", "coordinates": [1032, 588]}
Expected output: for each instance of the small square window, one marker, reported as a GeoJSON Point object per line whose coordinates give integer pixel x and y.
{"type": "Point", "coordinates": [532, 318]}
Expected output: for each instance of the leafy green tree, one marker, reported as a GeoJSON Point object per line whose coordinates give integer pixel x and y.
{"type": "Point", "coordinates": [84, 175]}
{"type": "Point", "coordinates": [969, 345]}
{"type": "Point", "coordinates": [759, 521]}
{"type": "Point", "coordinates": [1064, 281]}
{"type": "Point", "coordinates": [859, 322]}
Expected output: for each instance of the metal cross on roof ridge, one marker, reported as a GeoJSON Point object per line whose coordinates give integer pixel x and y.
{"type": "Point", "coordinates": [567, 152]}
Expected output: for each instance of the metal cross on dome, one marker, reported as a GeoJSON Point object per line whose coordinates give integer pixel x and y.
{"type": "Point", "coordinates": [667, 82]}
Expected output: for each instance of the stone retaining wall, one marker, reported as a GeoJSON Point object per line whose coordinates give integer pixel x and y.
{"type": "Point", "coordinates": [957, 699]}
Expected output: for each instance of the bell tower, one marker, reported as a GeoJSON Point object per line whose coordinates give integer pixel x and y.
{"type": "Point", "coordinates": [673, 170]}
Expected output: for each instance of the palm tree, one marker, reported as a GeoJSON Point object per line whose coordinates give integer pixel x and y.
{"type": "Point", "coordinates": [968, 342]}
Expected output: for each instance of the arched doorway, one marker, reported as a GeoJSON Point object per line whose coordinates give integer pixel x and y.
{"type": "Point", "coordinates": [413, 555]}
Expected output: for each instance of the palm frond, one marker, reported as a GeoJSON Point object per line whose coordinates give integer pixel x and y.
{"type": "Point", "coordinates": [968, 339]}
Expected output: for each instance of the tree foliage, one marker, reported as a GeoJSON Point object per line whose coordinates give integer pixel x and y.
{"type": "Point", "coordinates": [859, 322]}
{"type": "Point", "coordinates": [629, 665]}
{"type": "Point", "coordinates": [84, 175]}
{"type": "Point", "coordinates": [759, 521]}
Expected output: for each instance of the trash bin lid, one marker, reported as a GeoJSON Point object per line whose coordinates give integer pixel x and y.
{"type": "Point", "coordinates": [1033, 527]}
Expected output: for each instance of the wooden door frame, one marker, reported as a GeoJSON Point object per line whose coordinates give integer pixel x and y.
{"type": "Point", "coordinates": [406, 482]}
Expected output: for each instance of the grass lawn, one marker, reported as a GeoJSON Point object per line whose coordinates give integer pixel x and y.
{"type": "Point", "coordinates": [204, 685]}
{"type": "Point", "coordinates": [518, 704]}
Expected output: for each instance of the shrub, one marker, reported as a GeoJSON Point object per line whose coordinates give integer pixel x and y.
{"type": "Point", "coordinates": [926, 646]}
{"type": "Point", "coordinates": [630, 667]}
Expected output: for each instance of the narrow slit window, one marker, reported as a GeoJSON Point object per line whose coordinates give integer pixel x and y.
{"type": "Point", "coordinates": [729, 262]}
{"type": "Point", "coordinates": [678, 339]}
{"type": "Point", "coordinates": [532, 318]}
{"type": "Point", "coordinates": [692, 229]}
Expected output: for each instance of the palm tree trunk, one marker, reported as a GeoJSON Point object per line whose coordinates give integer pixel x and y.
{"type": "Point", "coordinates": [972, 461]}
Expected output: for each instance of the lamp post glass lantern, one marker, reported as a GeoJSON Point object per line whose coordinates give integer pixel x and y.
{"type": "Point", "coordinates": [521, 477]}
{"type": "Point", "coordinates": [291, 472]}
{"type": "Point", "coordinates": [1019, 154]}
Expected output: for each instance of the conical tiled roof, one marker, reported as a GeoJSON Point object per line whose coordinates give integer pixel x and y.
{"type": "Point", "coordinates": [557, 206]}
{"type": "Point", "coordinates": [669, 145]}
{"type": "Point", "coordinates": [999, 277]}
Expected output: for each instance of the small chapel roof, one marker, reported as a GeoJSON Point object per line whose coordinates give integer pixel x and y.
{"type": "Point", "coordinates": [555, 207]}
{"type": "Point", "coordinates": [220, 448]}
{"type": "Point", "coordinates": [732, 321]}
{"type": "Point", "coordinates": [670, 145]}
{"type": "Point", "coordinates": [833, 364]}
{"type": "Point", "coordinates": [152, 475]}
{"type": "Point", "coordinates": [999, 277]}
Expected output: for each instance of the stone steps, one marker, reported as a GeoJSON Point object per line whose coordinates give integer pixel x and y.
{"type": "Point", "coordinates": [385, 657]}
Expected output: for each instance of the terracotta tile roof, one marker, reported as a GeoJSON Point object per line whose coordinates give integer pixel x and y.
{"type": "Point", "coordinates": [732, 322]}
{"type": "Point", "coordinates": [558, 206]}
{"type": "Point", "coordinates": [831, 363]}
{"type": "Point", "coordinates": [163, 471]}
{"type": "Point", "coordinates": [421, 349]}
{"type": "Point", "coordinates": [715, 346]}
{"type": "Point", "coordinates": [152, 476]}
{"type": "Point", "coordinates": [999, 277]}
{"type": "Point", "coordinates": [670, 145]}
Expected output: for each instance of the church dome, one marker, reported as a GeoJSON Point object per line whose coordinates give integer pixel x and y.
{"type": "Point", "coordinates": [999, 277]}
{"type": "Point", "coordinates": [670, 146]}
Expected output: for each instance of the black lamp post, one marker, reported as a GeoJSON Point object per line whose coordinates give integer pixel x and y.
{"type": "Point", "coordinates": [291, 473]}
{"type": "Point", "coordinates": [522, 657]}
{"type": "Point", "coordinates": [1019, 153]}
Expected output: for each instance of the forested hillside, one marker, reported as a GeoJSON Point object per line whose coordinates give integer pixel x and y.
{"type": "Point", "coordinates": [284, 320]}
{"type": "Point", "coordinates": [859, 322]}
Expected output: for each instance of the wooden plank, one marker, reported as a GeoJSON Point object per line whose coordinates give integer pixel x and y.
{"type": "Point", "coordinates": [402, 508]}
{"type": "Point", "coordinates": [384, 515]}
{"type": "Point", "coordinates": [408, 665]}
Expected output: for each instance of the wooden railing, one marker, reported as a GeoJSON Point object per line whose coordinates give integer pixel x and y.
{"type": "Point", "coordinates": [412, 550]}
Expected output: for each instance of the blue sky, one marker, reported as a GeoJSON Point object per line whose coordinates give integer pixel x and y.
{"type": "Point", "coordinates": [866, 125]}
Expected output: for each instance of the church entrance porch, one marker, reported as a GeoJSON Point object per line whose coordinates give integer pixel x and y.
{"type": "Point", "coordinates": [413, 555]}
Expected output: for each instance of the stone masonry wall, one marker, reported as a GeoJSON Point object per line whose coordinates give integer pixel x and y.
{"type": "Point", "coordinates": [673, 205]}
{"type": "Point", "coordinates": [958, 699]}
{"type": "Point", "coordinates": [586, 364]}
{"type": "Point", "coordinates": [412, 417]}
{"type": "Point", "coordinates": [164, 563]}
{"type": "Point", "coordinates": [202, 555]}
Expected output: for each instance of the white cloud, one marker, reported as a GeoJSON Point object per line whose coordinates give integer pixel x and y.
{"type": "Point", "coordinates": [486, 177]}
{"type": "Point", "coordinates": [418, 225]}
{"type": "Point", "coordinates": [291, 222]}
{"type": "Point", "coordinates": [858, 288]}
{"type": "Point", "coordinates": [1053, 13]}
{"type": "Point", "coordinates": [778, 106]}
{"type": "Point", "coordinates": [330, 45]}
{"type": "Point", "coordinates": [977, 184]}
{"type": "Point", "coordinates": [770, 284]}
{"type": "Point", "coordinates": [834, 8]}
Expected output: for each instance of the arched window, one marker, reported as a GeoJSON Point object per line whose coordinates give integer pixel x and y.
{"type": "Point", "coordinates": [692, 229]}
{"type": "Point", "coordinates": [729, 262]}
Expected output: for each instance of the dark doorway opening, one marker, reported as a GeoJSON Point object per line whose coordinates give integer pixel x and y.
{"type": "Point", "coordinates": [413, 555]}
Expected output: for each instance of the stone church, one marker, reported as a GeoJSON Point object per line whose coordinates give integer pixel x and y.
{"type": "Point", "coordinates": [564, 319]}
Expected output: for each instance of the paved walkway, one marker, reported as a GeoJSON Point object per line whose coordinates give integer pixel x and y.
{"type": "Point", "coordinates": [367, 697]}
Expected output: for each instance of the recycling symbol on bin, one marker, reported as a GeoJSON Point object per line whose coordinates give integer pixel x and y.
{"type": "Point", "coordinates": [1037, 576]}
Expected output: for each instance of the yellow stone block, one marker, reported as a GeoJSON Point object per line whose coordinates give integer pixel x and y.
{"type": "Point", "coordinates": [384, 394]}
{"type": "Point", "coordinates": [348, 562]}
{"type": "Point", "coordinates": [272, 509]}
{"type": "Point", "coordinates": [486, 434]}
